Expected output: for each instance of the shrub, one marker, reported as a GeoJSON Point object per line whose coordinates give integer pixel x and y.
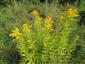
{"type": "Point", "coordinates": [40, 43]}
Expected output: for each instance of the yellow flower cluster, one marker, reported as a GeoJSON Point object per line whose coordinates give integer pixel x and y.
{"type": "Point", "coordinates": [26, 28]}
{"type": "Point", "coordinates": [71, 13]}
{"type": "Point", "coordinates": [48, 23]}
{"type": "Point", "coordinates": [34, 13]}
{"type": "Point", "coordinates": [15, 33]}
{"type": "Point", "coordinates": [37, 18]}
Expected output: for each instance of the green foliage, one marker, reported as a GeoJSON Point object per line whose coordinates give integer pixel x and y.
{"type": "Point", "coordinates": [43, 46]}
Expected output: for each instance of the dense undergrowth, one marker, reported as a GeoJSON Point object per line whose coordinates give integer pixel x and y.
{"type": "Point", "coordinates": [41, 33]}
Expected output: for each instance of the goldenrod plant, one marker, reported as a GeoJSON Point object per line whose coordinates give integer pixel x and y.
{"type": "Point", "coordinates": [39, 43]}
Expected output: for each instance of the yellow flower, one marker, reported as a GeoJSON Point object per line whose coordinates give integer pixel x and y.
{"type": "Point", "coordinates": [71, 13]}
{"type": "Point", "coordinates": [26, 28]}
{"type": "Point", "coordinates": [34, 13]}
{"type": "Point", "coordinates": [15, 33]}
{"type": "Point", "coordinates": [48, 23]}
{"type": "Point", "coordinates": [37, 18]}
